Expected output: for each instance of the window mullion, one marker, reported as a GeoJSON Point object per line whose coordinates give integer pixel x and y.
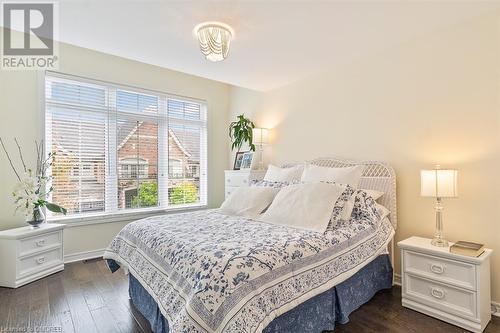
{"type": "Point", "coordinates": [111, 155]}
{"type": "Point", "coordinates": [162, 153]}
{"type": "Point", "coordinates": [203, 158]}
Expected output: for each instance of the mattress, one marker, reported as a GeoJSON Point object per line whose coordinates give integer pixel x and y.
{"type": "Point", "coordinates": [210, 272]}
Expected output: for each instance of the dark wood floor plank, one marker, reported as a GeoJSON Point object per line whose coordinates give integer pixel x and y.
{"type": "Point", "coordinates": [86, 297]}
{"type": "Point", "coordinates": [6, 300]}
{"type": "Point", "coordinates": [80, 313]}
{"type": "Point", "coordinates": [92, 297]}
{"type": "Point", "coordinates": [109, 291]}
{"type": "Point", "coordinates": [81, 272]}
{"type": "Point", "coordinates": [39, 305]}
{"type": "Point", "coordinates": [19, 311]}
{"type": "Point", "coordinates": [58, 304]}
{"type": "Point", "coordinates": [114, 289]}
{"type": "Point", "coordinates": [104, 321]}
{"type": "Point", "coordinates": [63, 320]}
{"type": "Point", "coordinates": [57, 297]}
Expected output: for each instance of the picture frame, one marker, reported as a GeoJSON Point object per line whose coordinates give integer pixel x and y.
{"type": "Point", "coordinates": [237, 160]}
{"type": "Point", "coordinates": [246, 162]}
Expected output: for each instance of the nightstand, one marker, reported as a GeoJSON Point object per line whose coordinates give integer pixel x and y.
{"type": "Point", "coordinates": [444, 285]}
{"type": "Point", "coordinates": [29, 254]}
{"type": "Point", "coordinates": [238, 178]}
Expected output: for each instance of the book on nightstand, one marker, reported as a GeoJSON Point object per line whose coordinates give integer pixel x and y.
{"type": "Point", "coordinates": [467, 248]}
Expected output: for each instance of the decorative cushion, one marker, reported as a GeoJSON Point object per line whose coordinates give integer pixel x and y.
{"type": "Point", "coordinates": [342, 209]}
{"type": "Point", "coordinates": [277, 174]}
{"type": "Point", "coordinates": [266, 183]}
{"type": "Point", "coordinates": [248, 201]}
{"type": "Point", "coordinates": [366, 208]}
{"type": "Point", "coordinates": [348, 175]}
{"type": "Point", "coordinates": [304, 206]}
{"type": "Point", "coordinates": [374, 194]}
{"type": "Point", "coordinates": [349, 205]}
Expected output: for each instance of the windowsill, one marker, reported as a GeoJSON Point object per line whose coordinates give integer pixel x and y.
{"type": "Point", "coordinates": [129, 216]}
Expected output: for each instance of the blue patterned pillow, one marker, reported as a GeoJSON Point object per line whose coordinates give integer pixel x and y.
{"type": "Point", "coordinates": [340, 205]}
{"type": "Point", "coordinates": [364, 205]}
{"type": "Point", "coordinates": [267, 183]}
{"type": "Point", "coordinates": [365, 208]}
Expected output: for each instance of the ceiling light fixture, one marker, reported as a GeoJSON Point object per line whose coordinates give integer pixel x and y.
{"type": "Point", "coordinates": [214, 39]}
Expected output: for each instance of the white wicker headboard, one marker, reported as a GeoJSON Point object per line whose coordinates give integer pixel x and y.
{"type": "Point", "coordinates": [376, 176]}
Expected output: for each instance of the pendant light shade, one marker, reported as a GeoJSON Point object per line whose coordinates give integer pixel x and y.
{"type": "Point", "coordinates": [214, 39]}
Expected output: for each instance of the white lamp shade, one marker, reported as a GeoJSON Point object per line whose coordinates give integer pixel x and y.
{"type": "Point", "coordinates": [439, 183]}
{"type": "Point", "coordinates": [260, 136]}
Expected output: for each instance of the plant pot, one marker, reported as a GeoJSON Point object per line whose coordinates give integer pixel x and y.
{"type": "Point", "coordinates": [37, 218]}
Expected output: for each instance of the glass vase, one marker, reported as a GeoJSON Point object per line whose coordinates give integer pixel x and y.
{"type": "Point", "coordinates": [37, 218]}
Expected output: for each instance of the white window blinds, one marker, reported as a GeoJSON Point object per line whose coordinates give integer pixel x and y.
{"type": "Point", "coordinates": [119, 148]}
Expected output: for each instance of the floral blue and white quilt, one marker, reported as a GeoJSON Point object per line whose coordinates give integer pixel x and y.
{"type": "Point", "coordinates": [210, 272]}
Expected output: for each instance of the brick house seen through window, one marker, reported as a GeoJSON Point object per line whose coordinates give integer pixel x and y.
{"type": "Point", "coordinates": [129, 151]}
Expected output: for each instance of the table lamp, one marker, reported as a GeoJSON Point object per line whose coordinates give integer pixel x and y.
{"type": "Point", "coordinates": [260, 138]}
{"type": "Point", "coordinates": [439, 183]}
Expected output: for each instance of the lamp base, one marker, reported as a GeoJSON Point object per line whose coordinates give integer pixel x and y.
{"type": "Point", "coordinates": [438, 235]}
{"type": "Point", "coordinates": [439, 242]}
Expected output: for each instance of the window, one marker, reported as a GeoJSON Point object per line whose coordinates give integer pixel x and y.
{"type": "Point", "coordinates": [175, 169]}
{"type": "Point", "coordinates": [133, 168]}
{"type": "Point", "coordinates": [119, 148]}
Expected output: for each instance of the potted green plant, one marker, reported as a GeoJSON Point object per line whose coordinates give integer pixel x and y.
{"type": "Point", "coordinates": [241, 131]}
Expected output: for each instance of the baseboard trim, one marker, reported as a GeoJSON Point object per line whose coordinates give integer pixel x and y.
{"type": "Point", "coordinates": [495, 307]}
{"type": "Point", "coordinates": [397, 279]}
{"type": "Point", "coordinates": [79, 256]}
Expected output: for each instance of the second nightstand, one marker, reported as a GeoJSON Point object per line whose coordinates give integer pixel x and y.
{"type": "Point", "coordinates": [238, 178]}
{"type": "Point", "coordinates": [448, 286]}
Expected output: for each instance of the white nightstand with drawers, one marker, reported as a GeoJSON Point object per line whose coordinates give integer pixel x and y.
{"type": "Point", "coordinates": [238, 178]}
{"type": "Point", "coordinates": [444, 285]}
{"type": "Point", "coordinates": [29, 254]}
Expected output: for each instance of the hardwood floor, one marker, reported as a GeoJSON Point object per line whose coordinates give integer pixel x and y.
{"type": "Point", "coordinates": [87, 298]}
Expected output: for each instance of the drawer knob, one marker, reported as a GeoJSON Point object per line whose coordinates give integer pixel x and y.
{"type": "Point", "coordinates": [437, 293]}
{"type": "Point", "coordinates": [40, 243]}
{"type": "Point", "coordinates": [437, 269]}
{"type": "Point", "coordinates": [40, 260]}
{"type": "Point", "coordinates": [245, 180]}
{"type": "Point", "coordinates": [228, 180]}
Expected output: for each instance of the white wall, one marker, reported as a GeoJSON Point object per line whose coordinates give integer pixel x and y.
{"type": "Point", "coordinates": [433, 100]}
{"type": "Point", "coordinates": [22, 117]}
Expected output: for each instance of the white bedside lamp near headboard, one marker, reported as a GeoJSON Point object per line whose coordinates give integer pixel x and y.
{"type": "Point", "coordinates": [260, 138]}
{"type": "Point", "coordinates": [439, 183]}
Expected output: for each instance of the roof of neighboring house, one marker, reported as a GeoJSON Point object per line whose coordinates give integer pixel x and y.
{"type": "Point", "coordinates": [127, 130]}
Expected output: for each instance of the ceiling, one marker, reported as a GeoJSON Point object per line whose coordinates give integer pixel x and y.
{"type": "Point", "coordinates": [276, 42]}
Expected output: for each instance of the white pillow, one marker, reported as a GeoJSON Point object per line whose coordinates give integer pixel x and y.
{"type": "Point", "coordinates": [383, 211]}
{"type": "Point", "coordinates": [248, 201]}
{"type": "Point", "coordinates": [277, 174]}
{"type": "Point", "coordinates": [348, 207]}
{"type": "Point", "coordinates": [304, 206]}
{"type": "Point", "coordinates": [374, 194]}
{"type": "Point", "coordinates": [349, 175]}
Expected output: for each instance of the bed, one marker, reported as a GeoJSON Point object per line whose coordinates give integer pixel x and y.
{"type": "Point", "coordinates": [205, 271]}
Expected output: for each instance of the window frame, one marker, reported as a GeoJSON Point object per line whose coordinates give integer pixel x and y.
{"type": "Point", "coordinates": [124, 215]}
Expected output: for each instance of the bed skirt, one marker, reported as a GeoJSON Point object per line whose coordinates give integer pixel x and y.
{"type": "Point", "coordinates": [317, 314]}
